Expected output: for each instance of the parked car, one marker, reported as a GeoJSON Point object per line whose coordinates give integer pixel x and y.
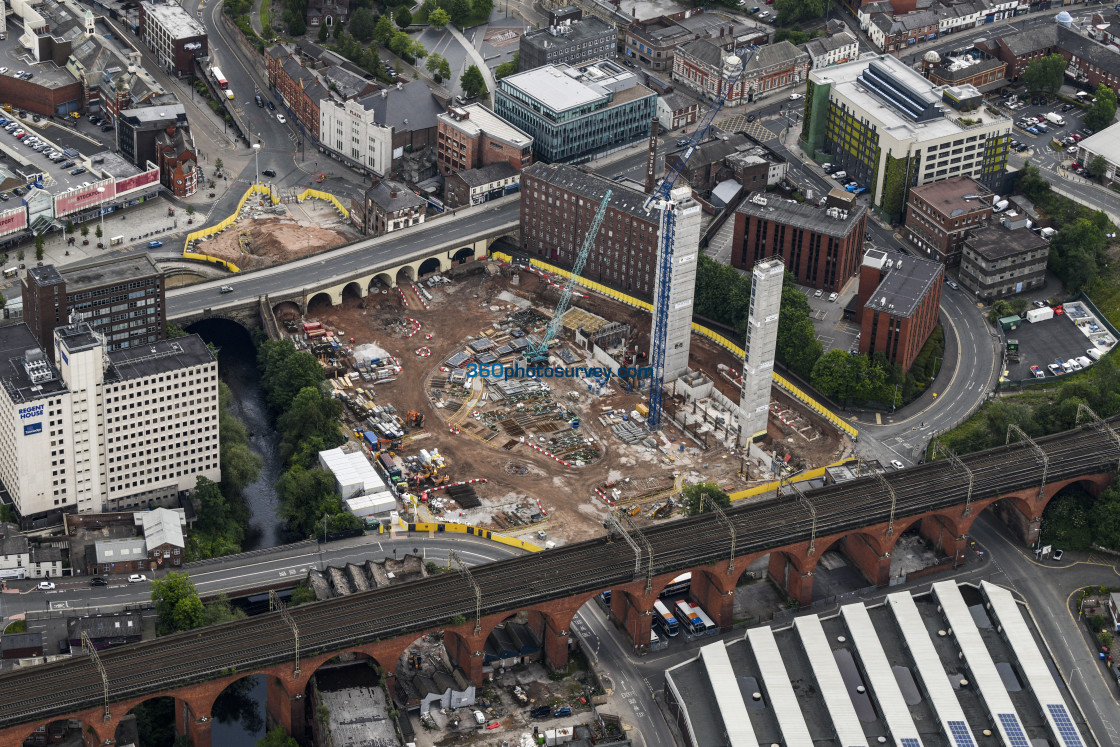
{"type": "Point", "coordinates": [818, 293]}
{"type": "Point", "coordinates": [1033, 130]}
{"type": "Point", "coordinates": [541, 712]}
{"type": "Point", "coordinates": [137, 578]}
{"type": "Point", "coordinates": [98, 581]}
{"type": "Point", "coordinates": [271, 106]}
{"type": "Point", "coordinates": [952, 284]}
{"type": "Point", "coordinates": [155, 244]}
{"type": "Point", "coordinates": [106, 128]}
{"type": "Point", "coordinates": [562, 711]}
{"type": "Point", "coordinates": [79, 170]}
{"type": "Point", "coordinates": [3, 70]}
{"type": "Point", "coordinates": [796, 96]}
{"type": "Point", "coordinates": [1077, 137]}
{"type": "Point", "coordinates": [897, 464]}
{"type": "Point", "coordinates": [45, 586]}
{"type": "Point", "coordinates": [833, 296]}
{"type": "Point", "coordinates": [1067, 107]}
{"type": "Point", "coordinates": [281, 118]}
{"type": "Point", "coordinates": [259, 100]}
{"type": "Point", "coordinates": [840, 176]}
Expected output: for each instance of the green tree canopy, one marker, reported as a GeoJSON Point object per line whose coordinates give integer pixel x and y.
{"type": "Point", "coordinates": [693, 496]}
{"type": "Point", "coordinates": [277, 737]}
{"type": "Point", "coordinates": [508, 68]}
{"type": "Point", "coordinates": [1103, 110]}
{"type": "Point", "coordinates": [1045, 74]}
{"type": "Point", "coordinates": [792, 11]}
{"type": "Point", "coordinates": [306, 495]}
{"type": "Point", "coordinates": [403, 17]}
{"type": "Point", "coordinates": [459, 10]}
{"type": "Point", "coordinates": [1077, 252]}
{"type": "Point", "coordinates": [312, 418]}
{"type": "Point", "coordinates": [798, 346]}
{"type": "Point", "coordinates": [177, 603]}
{"type": "Point", "coordinates": [438, 18]}
{"type": "Point", "coordinates": [362, 24]}
{"type": "Point", "coordinates": [1097, 167]}
{"type": "Point", "coordinates": [438, 67]}
{"type": "Point", "coordinates": [383, 30]}
{"type": "Point", "coordinates": [324, 33]}
{"type": "Point", "coordinates": [285, 371]}
{"type": "Point", "coordinates": [472, 82]}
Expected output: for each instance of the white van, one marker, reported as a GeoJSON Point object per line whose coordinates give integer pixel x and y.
{"type": "Point", "coordinates": [840, 176]}
{"type": "Point", "coordinates": [1085, 362]}
{"type": "Point", "coordinates": [479, 718]}
{"type": "Point", "coordinates": [1094, 354]}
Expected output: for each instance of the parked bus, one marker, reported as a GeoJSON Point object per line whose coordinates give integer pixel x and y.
{"type": "Point", "coordinates": [665, 619]}
{"type": "Point", "coordinates": [687, 612]}
{"type": "Point", "coordinates": [677, 588]}
{"type": "Point", "coordinates": [220, 79]}
{"type": "Point", "coordinates": [709, 624]}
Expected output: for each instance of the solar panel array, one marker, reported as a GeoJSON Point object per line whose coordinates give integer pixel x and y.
{"type": "Point", "coordinates": [941, 695]}
{"type": "Point", "coordinates": [911, 742]}
{"type": "Point", "coordinates": [1066, 728]}
{"type": "Point", "coordinates": [1032, 663]}
{"type": "Point", "coordinates": [1013, 729]}
{"type": "Point", "coordinates": [962, 737]}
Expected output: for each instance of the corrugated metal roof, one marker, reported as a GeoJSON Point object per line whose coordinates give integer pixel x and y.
{"type": "Point", "coordinates": [936, 683]}
{"type": "Point", "coordinates": [984, 673]}
{"type": "Point", "coordinates": [778, 687]}
{"type": "Point", "coordinates": [849, 732]}
{"type": "Point", "coordinates": [879, 674]}
{"type": "Point", "coordinates": [736, 721]}
{"type": "Point", "coordinates": [1032, 665]}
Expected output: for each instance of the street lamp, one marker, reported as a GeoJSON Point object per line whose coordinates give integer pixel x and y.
{"type": "Point", "coordinates": [101, 212]}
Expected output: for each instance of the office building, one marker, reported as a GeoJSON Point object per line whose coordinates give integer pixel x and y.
{"type": "Point", "coordinates": [173, 35]}
{"type": "Point", "coordinates": [821, 247]}
{"type": "Point", "coordinates": [939, 215]}
{"type": "Point", "coordinates": [1105, 144]}
{"type": "Point", "coordinates": [999, 261]}
{"type": "Point", "coordinates": [472, 136]}
{"type": "Point", "coordinates": [574, 113]}
{"type": "Point", "coordinates": [897, 304]}
{"type": "Point", "coordinates": [139, 130]}
{"type": "Point", "coordinates": [122, 299]}
{"type": "Point", "coordinates": [760, 348]}
{"type": "Point", "coordinates": [571, 41]}
{"type": "Point", "coordinates": [559, 202]}
{"type": "Point", "coordinates": [891, 129]}
{"type": "Point", "coordinates": [104, 431]}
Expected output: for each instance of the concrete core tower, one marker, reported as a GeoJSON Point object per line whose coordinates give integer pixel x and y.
{"type": "Point", "coordinates": [682, 280]}
{"type": "Point", "coordinates": [760, 346]}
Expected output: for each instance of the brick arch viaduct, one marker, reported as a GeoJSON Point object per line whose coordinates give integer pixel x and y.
{"type": "Point", "coordinates": [863, 518]}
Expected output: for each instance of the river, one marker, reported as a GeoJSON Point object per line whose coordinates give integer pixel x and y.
{"type": "Point", "coordinates": [237, 367]}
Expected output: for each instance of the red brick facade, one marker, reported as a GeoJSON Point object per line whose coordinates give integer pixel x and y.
{"type": "Point", "coordinates": [900, 338]}
{"type": "Point", "coordinates": [23, 94]}
{"type": "Point", "coordinates": [459, 150]}
{"type": "Point", "coordinates": [938, 218]}
{"type": "Point", "coordinates": [298, 87]}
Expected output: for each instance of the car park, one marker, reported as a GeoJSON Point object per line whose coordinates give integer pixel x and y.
{"type": "Point", "coordinates": [137, 578]}
{"type": "Point", "coordinates": [79, 170]}
{"type": "Point", "coordinates": [1033, 130]}
{"type": "Point", "coordinates": [45, 586]}
{"type": "Point", "coordinates": [155, 244]}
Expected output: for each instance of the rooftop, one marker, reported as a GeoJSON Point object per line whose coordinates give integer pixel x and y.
{"type": "Point", "coordinates": [162, 526]}
{"type": "Point", "coordinates": [392, 196]}
{"type": "Point", "coordinates": [488, 174]}
{"type": "Point", "coordinates": [949, 195]}
{"type": "Point", "coordinates": [1105, 143]}
{"type": "Point", "coordinates": [831, 222]}
{"type": "Point", "coordinates": [20, 357]}
{"type": "Point", "coordinates": [591, 186]}
{"type": "Point", "coordinates": [905, 283]}
{"type": "Point", "coordinates": [407, 108]}
{"type": "Point", "coordinates": [173, 17]}
{"type": "Point", "coordinates": [107, 272]}
{"type": "Point", "coordinates": [479, 119]}
{"type": "Point", "coordinates": [825, 44]}
{"type": "Point", "coordinates": [578, 32]}
{"type": "Point", "coordinates": [994, 243]}
{"type": "Point", "coordinates": [563, 87]}
{"type": "Point", "coordinates": [159, 357]}
{"type": "Point", "coordinates": [898, 100]}
{"type": "Point", "coordinates": [104, 626]}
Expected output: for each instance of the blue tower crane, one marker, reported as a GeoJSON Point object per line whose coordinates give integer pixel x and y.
{"type": "Point", "coordinates": [538, 354]}
{"type": "Point", "coordinates": [660, 200]}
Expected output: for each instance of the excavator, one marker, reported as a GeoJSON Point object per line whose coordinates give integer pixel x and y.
{"type": "Point", "coordinates": [414, 419]}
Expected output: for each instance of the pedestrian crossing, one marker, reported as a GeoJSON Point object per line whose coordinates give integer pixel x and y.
{"type": "Point", "coordinates": [739, 123]}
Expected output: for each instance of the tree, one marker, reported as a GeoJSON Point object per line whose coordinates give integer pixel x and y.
{"type": "Point", "coordinates": [69, 226]}
{"type": "Point", "coordinates": [459, 10]}
{"type": "Point", "coordinates": [285, 371]}
{"type": "Point", "coordinates": [362, 24]}
{"type": "Point", "coordinates": [97, 233]}
{"type": "Point", "coordinates": [438, 18]}
{"type": "Point", "coordinates": [472, 82]}
{"type": "Point", "coordinates": [310, 420]}
{"type": "Point", "coordinates": [508, 68]}
{"type": "Point", "coordinates": [278, 737]}
{"type": "Point", "coordinates": [85, 231]}
{"type": "Point", "coordinates": [1045, 74]}
{"type": "Point", "coordinates": [177, 603]}
{"type": "Point", "coordinates": [296, 25]}
{"type": "Point", "coordinates": [19, 254]}
{"type": "Point", "coordinates": [797, 344]}
{"type": "Point", "coordinates": [3, 302]}
{"type": "Point", "coordinates": [481, 10]}
{"type": "Point", "coordinates": [400, 43]}
{"type": "Point", "coordinates": [1097, 167]}
{"type": "Point", "coordinates": [323, 32]}
{"type": "Point", "coordinates": [190, 210]}
{"type": "Point", "coordinates": [439, 67]}
{"type": "Point", "coordinates": [1031, 184]}
{"type": "Point", "coordinates": [1103, 110]}
{"type": "Point", "coordinates": [693, 496]}
{"type": "Point", "coordinates": [336, 29]}
{"type": "Point", "coordinates": [39, 247]}
{"type": "Point", "coordinates": [792, 11]}
{"type": "Point", "coordinates": [218, 165]}
{"type": "Point", "coordinates": [1076, 253]}
{"type": "Point", "coordinates": [306, 495]}
{"type": "Point", "coordinates": [402, 17]}
{"type": "Point", "coordinates": [383, 29]}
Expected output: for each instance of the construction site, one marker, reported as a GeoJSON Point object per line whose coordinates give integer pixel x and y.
{"type": "Point", "coordinates": [421, 370]}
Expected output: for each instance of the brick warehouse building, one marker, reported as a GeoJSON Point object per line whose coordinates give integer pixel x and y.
{"type": "Point", "coordinates": [472, 136]}
{"type": "Point", "coordinates": [821, 247]}
{"type": "Point", "coordinates": [557, 205]}
{"type": "Point", "coordinates": [897, 304]}
{"type": "Point", "coordinates": [940, 214]}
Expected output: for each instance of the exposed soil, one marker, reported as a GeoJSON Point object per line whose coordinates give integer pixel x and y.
{"type": "Point", "coordinates": [298, 231]}
{"type": "Point", "coordinates": [517, 475]}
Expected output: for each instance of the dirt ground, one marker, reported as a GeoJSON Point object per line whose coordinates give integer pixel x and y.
{"type": "Point", "coordinates": [293, 231]}
{"type": "Point", "coordinates": [517, 476]}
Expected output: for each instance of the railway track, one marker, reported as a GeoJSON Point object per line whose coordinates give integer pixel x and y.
{"type": "Point", "coordinates": [515, 583]}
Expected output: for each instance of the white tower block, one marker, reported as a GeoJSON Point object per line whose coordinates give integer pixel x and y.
{"type": "Point", "coordinates": [682, 279]}
{"type": "Point", "coordinates": [760, 347]}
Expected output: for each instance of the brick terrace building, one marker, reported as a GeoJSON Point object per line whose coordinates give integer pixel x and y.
{"type": "Point", "coordinates": [897, 304]}
{"type": "Point", "coordinates": [472, 136]}
{"type": "Point", "coordinates": [998, 261]}
{"type": "Point", "coordinates": [986, 73]}
{"type": "Point", "coordinates": [388, 206]}
{"type": "Point", "coordinates": [178, 164]}
{"type": "Point", "coordinates": [940, 214]}
{"type": "Point", "coordinates": [173, 35]}
{"type": "Point", "coordinates": [1090, 63]}
{"type": "Point", "coordinates": [557, 205]}
{"type": "Point", "coordinates": [299, 88]}
{"type": "Point", "coordinates": [95, 290]}
{"type": "Point", "coordinates": [675, 110]}
{"type": "Point", "coordinates": [653, 41]}
{"type": "Point", "coordinates": [821, 247]}
{"type": "Point", "coordinates": [894, 33]}
{"type": "Point", "coordinates": [1018, 49]}
{"type": "Point", "coordinates": [476, 186]}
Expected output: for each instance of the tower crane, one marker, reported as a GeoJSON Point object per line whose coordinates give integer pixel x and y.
{"type": "Point", "coordinates": [660, 200]}
{"type": "Point", "coordinates": [538, 354]}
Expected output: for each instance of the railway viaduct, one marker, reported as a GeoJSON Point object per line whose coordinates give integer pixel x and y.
{"type": "Point", "coordinates": [862, 519]}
